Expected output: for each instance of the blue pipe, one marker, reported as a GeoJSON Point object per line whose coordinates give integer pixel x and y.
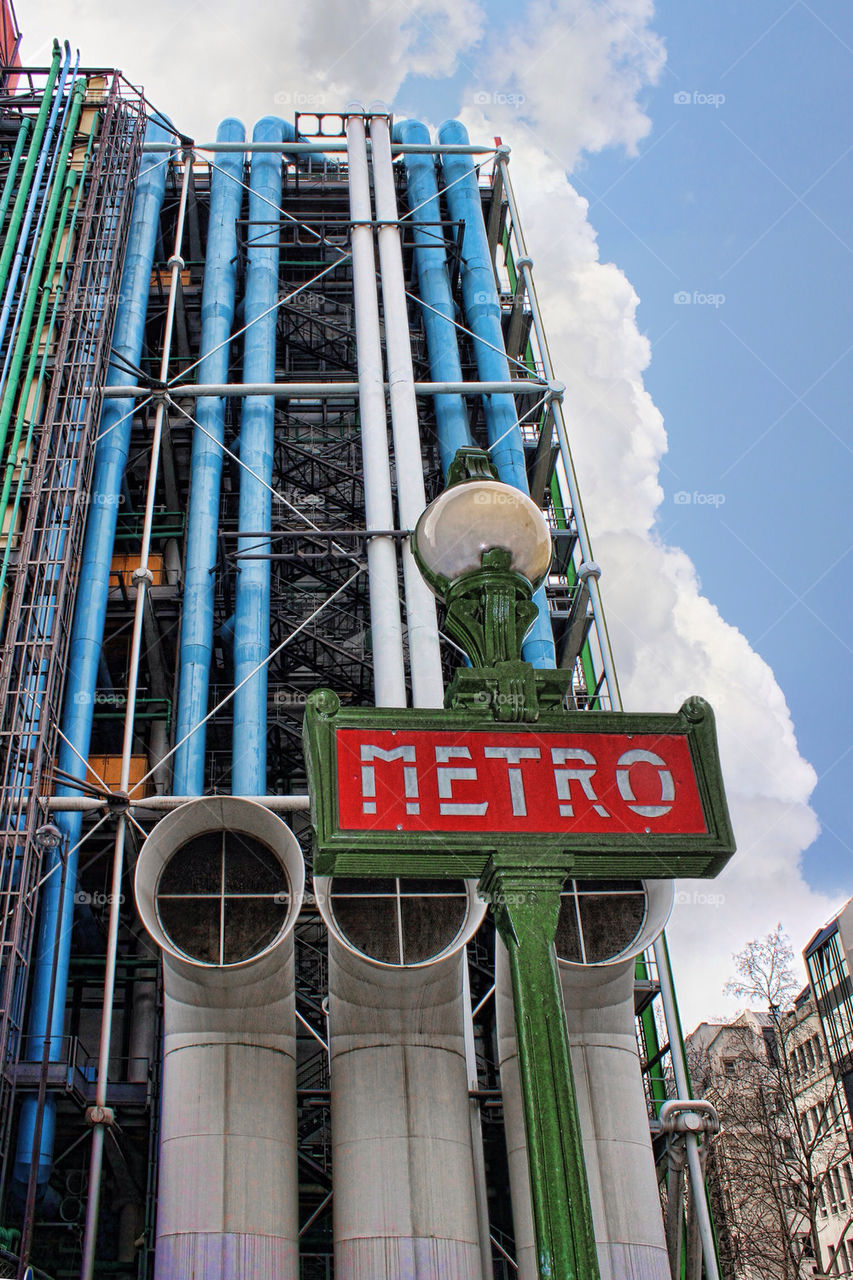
{"type": "Point", "coordinates": [217, 320]}
{"type": "Point", "coordinates": [434, 287]}
{"type": "Point", "coordinates": [252, 600]}
{"type": "Point", "coordinates": [38, 198]}
{"type": "Point", "coordinates": [483, 317]}
{"type": "Point", "coordinates": [86, 639]}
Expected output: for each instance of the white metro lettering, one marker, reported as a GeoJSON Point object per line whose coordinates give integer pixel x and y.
{"type": "Point", "coordinates": [368, 775]}
{"type": "Point", "coordinates": [522, 782]}
{"type": "Point", "coordinates": [446, 778]}
{"type": "Point", "coordinates": [513, 757]}
{"type": "Point", "coordinates": [563, 777]}
{"type": "Point", "coordinates": [626, 791]}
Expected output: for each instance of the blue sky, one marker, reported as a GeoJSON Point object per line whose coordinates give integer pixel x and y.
{"type": "Point", "coordinates": [748, 199]}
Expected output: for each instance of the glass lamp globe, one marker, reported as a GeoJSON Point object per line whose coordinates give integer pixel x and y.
{"type": "Point", "coordinates": [476, 516]}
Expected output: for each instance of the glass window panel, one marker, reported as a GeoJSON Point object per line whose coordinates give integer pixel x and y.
{"type": "Point", "coordinates": [416, 887]}
{"type": "Point", "coordinates": [610, 924]}
{"type": "Point", "coordinates": [567, 940]}
{"type": "Point", "coordinates": [370, 925]}
{"type": "Point", "coordinates": [194, 868]}
{"type": "Point", "coordinates": [430, 925]}
{"type": "Point", "coordinates": [251, 924]}
{"type": "Point", "coordinates": [363, 885]}
{"type": "Point", "coordinates": [250, 867]}
{"type": "Point", "coordinates": [609, 886]}
{"type": "Point", "coordinates": [192, 925]}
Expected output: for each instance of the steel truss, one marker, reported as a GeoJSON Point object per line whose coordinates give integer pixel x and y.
{"type": "Point", "coordinates": [36, 618]}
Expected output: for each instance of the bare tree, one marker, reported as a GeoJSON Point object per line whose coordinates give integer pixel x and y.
{"type": "Point", "coordinates": [778, 1144]}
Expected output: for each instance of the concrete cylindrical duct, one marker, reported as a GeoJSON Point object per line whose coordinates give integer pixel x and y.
{"type": "Point", "coordinates": [405, 1205]}
{"type": "Point", "coordinates": [607, 924]}
{"type": "Point", "coordinates": [219, 883]}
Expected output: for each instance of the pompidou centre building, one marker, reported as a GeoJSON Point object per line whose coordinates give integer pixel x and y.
{"type": "Point", "coordinates": [318, 956]}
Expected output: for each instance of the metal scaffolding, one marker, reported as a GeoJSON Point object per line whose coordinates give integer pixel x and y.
{"type": "Point", "coordinates": [45, 505]}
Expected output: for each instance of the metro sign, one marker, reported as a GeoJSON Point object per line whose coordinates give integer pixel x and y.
{"type": "Point", "coordinates": [421, 779]}
{"type": "Point", "coordinates": [397, 792]}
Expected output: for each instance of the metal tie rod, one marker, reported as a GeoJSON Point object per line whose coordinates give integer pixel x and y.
{"type": "Point", "coordinates": [306, 148]}
{"type": "Point", "coordinates": [159, 804]}
{"type": "Point", "coordinates": [328, 390]}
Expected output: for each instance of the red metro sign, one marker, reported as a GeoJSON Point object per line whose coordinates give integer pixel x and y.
{"type": "Point", "coordinates": [492, 781]}
{"type": "Point", "coordinates": [397, 792]}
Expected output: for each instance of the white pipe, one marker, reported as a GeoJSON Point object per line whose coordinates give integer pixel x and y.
{"type": "Point", "coordinates": [142, 1047]}
{"type": "Point", "coordinates": [307, 148]}
{"type": "Point", "coordinates": [327, 390]}
{"type": "Point", "coordinates": [682, 1084]}
{"type": "Point", "coordinates": [227, 1192]}
{"type": "Point", "coordinates": [622, 1179]}
{"type": "Point", "coordinates": [404, 1203]}
{"type": "Point", "coordinates": [158, 749]}
{"type": "Point", "coordinates": [480, 1180]}
{"type": "Point", "coordinates": [421, 620]}
{"type": "Point", "coordinates": [385, 625]}
{"type": "Point", "coordinates": [162, 804]}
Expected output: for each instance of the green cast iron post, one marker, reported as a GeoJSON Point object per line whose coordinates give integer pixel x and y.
{"type": "Point", "coordinates": [526, 903]}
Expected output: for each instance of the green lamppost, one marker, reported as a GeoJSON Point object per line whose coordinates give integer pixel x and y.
{"type": "Point", "coordinates": [484, 547]}
{"type": "Point", "coordinates": [507, 785]}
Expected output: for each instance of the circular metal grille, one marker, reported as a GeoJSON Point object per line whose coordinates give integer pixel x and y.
{"type": "Point", "coordinates": [599, 919]}
{"type": "Point", "coordinates": [399, 921]}
{"type": "Point", "coordinates": [222, 898]}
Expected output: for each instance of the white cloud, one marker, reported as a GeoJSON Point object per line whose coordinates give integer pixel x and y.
{"type": "Point", "coordinates": [571, 72]}
{"type": "Point", "coordinates": [200, 62]}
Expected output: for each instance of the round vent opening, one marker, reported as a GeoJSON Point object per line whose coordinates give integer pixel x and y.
{"type": "Point", "coordinates": [222, 898]}
{"type": "Point", "coordinates": [399, 922]}
{"type": "Point", "coordinates": [599, 920]}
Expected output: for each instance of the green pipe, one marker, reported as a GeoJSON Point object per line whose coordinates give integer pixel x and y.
{"type": "Point", "coordinates": [34, 286]}
{"type": "Point", "coordinates": [657, 1082]}
{"type": "Point", "coordinates": [679, 1047]}
{"type": "Point", "coordinates": [9, 184]}
{"type": "Point", "coordinates": [27, 383]}
{"type": "Point", "coordinates": [29, 168]}
{"type": "Point", "coordinates": [72, 180]}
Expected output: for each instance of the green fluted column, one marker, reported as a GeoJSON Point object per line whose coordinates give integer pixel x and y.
{"type": "Point", "coordinates": [526, 903]}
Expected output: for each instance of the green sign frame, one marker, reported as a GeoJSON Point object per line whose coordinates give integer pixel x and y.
{"type": "Point", "coordinates": [615, 855]}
